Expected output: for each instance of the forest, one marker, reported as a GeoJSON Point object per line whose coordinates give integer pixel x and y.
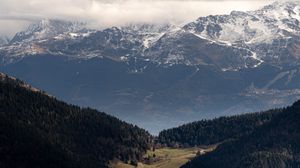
{"type": "Point", "coordinates": [208, 132]}
{"type": "Point", "coordinates": [36, 130]}
{"type": "Point", "coordinates": [273, 145]}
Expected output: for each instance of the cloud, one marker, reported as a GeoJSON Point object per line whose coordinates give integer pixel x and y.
{"type": "Point", "coordinates": [106, 13]}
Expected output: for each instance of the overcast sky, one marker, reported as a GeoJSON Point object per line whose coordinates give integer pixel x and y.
{"type": "Point", "coordinates": [16, 14]}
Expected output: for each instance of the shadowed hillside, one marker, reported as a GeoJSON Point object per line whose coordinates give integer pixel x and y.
{"type": "Point", "coordinates": [275, 144]}
{"type": "Point", "coordinates": [36, 130]}
{"type": "Point", "coordinates": [207, 132]}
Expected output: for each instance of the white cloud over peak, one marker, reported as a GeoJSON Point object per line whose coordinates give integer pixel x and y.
{"type": "Point", "coordinates": [105, 13]}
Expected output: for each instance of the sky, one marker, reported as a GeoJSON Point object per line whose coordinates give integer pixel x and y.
{"type": "Point", "coordinates": [15, 15]}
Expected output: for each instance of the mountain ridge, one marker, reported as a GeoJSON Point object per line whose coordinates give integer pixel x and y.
{"type": "Point", "coordinates": [248, 37]}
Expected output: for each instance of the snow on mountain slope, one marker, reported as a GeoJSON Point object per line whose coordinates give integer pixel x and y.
{"type": "Point", "coordinates": [149, 33]}
{"type": "Point", "coordinates": [47, 28]}
{"type": "Point", "coordinates": [271, 34]}
{"type": "Point", "coordinates": [231, 42]}
{"type": "Point", "coordinates": [32, 40]}
{"type": "Point", "coordinates": [259, 26]}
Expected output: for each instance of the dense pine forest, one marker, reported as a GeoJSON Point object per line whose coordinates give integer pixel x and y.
{"type": "Point", "coordinates": [208, 132]}
{"type": "Point", "coordinates": [36, 130]}
{"type": "Point", "coordinates": [273, 145]}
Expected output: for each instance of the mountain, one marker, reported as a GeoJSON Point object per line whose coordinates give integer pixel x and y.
{"type": "Point", "coordinates": [45, 29]}
{"type": "Point", "coordinates": [238, 40]}
{"type": "Point", "coordinates": [147, 74]}
{"type": "Point", "coordinates": [270, 35]}
{"type": "Point", "coordinates": [28, 42]}
{"type": "Point", "coordinates": [274, 144]}
{"type": "Point", "coordinates": [37, 130]}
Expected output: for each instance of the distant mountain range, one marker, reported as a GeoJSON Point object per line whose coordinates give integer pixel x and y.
{"type": "Point", "coordinates": [235, 41]}
{"type": "Point", "coordinates": [147, 74]}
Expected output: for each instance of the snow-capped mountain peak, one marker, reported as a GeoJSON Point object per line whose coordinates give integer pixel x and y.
{"type": "Point", "coordinates": [47, 28]}
{"type": "Point", "coordinates": [255, 26]}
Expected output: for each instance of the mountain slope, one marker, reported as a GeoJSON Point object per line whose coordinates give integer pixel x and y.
{"type": "Point", "coordinates": [39, 131]}
{"type": "Point", "coordinates": [208, 132]}
{"type": "Point", "coordinates": [46, 29]}
{"type": "Point", "coordinates": [275, 144]}
{"type": "Point", "coordinates": [270, 34]}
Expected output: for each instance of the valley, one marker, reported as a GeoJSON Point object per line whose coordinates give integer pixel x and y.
{"type": "Point", "coordinates": [70, 136]}
{"type": "Point", "coordinates": [166, 158]}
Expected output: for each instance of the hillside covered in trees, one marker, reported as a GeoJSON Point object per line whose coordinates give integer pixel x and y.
{"type": "Point", "coordinates": [36, 130]}
{"type": "Point", "coordinates": [207, 132]}
{"type": "Point", "coordinates": [275, 144]}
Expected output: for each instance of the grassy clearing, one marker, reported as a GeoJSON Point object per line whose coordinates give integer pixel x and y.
{"type": "Point", "coordinates": [164, 158]}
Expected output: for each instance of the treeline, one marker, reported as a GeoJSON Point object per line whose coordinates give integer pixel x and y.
{"type": "Point", "coordinates": [273, 145]}
{"type": "Point", "coordinates": [37, 130]}
{"type": "Point", "coordinates": [208, 132]}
